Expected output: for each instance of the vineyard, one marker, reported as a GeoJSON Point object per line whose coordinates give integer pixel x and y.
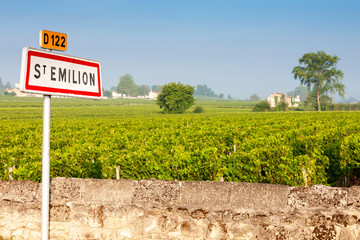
{"type": "Point", "coordinates": [90, 138]}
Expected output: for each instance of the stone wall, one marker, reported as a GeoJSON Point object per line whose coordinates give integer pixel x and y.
{"type": "Point", "coordinates": [151, 209]}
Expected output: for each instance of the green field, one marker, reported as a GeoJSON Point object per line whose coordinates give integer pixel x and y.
{"type": "Point", "coordinates": [89, 138]}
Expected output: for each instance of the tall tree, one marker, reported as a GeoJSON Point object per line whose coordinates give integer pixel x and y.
{"type": "Point", "coordinates": [8, 85]}
{"type": "Point", "coordinates": [1, 84]}
{"type": "Point", "coordinates": [319, 73]}
{"type": "Point", "coordinates": [255, 98]}
{"type": "Point", "coordinates": [175, 98]}
{"type": "Point", "coordinates": [311, 101]}
{"type": "Point", "coordinates": [156, 88]}
{"type": "Point", "coordinates": [301, 91]}
{"type": "Point", "coordinates": [204, 91]}
{"type": "Point", "coordinates": [127, 85]}
{"type": "Point", "coordinates": [143, 90]}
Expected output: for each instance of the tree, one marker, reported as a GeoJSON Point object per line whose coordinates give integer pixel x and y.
{"type": "Point", "coordinates": [107, 93]}
{"type": "Point", "coordinates": [1, 84]}
{"type": "Point", "coordinates": [229, 97]}
{"type": "Point", "coordinates": [156, 88]}
{"type": "Point", "coordinates": [8, 85]}
{"type": "Point", "coordinates": [143, 90]}
{"type": "Point", "coordinates": [311, 101]}
{"type": "Point", "coordinates": [301, 91]}
{"type": "Point", "coordinates": [255, 98]}
{"type": "Point", "coordinates": [221, 96]}
{"type": "Point", "coordinates": [318, 72]}
{"type": "Point", "coordinates": [204, 91]}
{"type": "Point", "coordinates": [175, 98]}
{"type": "Point", "coordinates": [262, 106]}
{"type": "Point", "coordinates": [127, 85]}
{"type": "Point", "coordinates": [282, 105]}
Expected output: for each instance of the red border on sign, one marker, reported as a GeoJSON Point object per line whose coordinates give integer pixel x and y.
{"type": "Point", "coordinates": [32, 53]}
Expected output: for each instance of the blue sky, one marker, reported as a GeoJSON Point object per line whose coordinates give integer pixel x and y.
{"type": "Point", "coordinates": [236, 47]}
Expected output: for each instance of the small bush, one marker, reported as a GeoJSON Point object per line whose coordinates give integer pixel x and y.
{"type": "Point", "coordinates": [198, 109]}
{"type": "Point", "coordinates": [282, 106]}
{"type": "Point", "coordinates": [262, 106]}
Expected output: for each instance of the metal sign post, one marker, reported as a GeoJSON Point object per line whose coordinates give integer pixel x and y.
{"type": "Point", "coordinates": [48, 73]}
{"type": "Point", "coordinates": [45, 183]}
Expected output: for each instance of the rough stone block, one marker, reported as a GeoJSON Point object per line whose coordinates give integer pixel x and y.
{"type": "Point", "coordinates": [59, 213]}
{"type": "Point", "coordinates": [21, 212]}
{"type": "Point", "coordinates": [239, 230]}
{"type": "Point", "coordinates": [209, 196]}
{"type": "Point", "coordinates": [95, 216]}
{"type": "Point", "coordinates": [216, 231]}
{"type": "Point", "coordinates": [105, 191]}
{"type": "Point", "coordinates": [20, 191]}
{"type": "Point", "coordinates": [318, 196]}
{"type": "Point", "coordinates": [156, 193]}
{"type": "Point", "coordinates": [167, 223]}
{"type": "Point", "coordinates": [116, 222]}
{"type": "Point", "coordinates": [98, 233]}
{"type": "Point", "coordinates": [354, 197]}
{"type": "Point", "coordinates": [191, 229]}
{"type": "Point", "coordinates": [258, 197]}
{"type": "Point", "coordinates": [65, 190]}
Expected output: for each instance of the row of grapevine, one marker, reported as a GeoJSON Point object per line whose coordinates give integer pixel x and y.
{"type": "Point", "coordinates": [282, 148]}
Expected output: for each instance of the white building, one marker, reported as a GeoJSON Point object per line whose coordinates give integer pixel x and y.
{"type": "Point", "coordinates": [152, 95]}
{"type": "Point", "coordinates": [276, 98]}
{"type": "Point", "coordinates": [19, 93]}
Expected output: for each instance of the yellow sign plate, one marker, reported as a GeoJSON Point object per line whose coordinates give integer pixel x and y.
{"type": "Point", "coordinates": [53, 40]}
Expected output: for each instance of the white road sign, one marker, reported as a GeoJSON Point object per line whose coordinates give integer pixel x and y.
{"type": "Point", "coordinates": [49, 73]}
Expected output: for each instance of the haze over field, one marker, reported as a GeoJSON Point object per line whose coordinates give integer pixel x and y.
{"type": "Point", "coordinates": [235, 47]}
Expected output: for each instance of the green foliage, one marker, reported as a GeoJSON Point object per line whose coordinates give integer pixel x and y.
{"type": "Point", "coordinates": [318, 72]}
{"type": "Point", "coordinates": [8, 85]}
{"type": "Point", "coordinates": [143, 90]}
{"type": "Point", "coordinates": [262, 106]}
{"type": "Point", "coordinates": [281, 106]}
{"type": "Point", "coordinates": [11, 94]}
{"type": "Point", "coordinates": [255, 98]}
{"type": "Point", "coordinates": [204, 90]}
{"type": "Point", "coordinates": [89, 139]}
{"type": "Point", "coordinates": [198, 109]}
{"type": "Point", "coordinates": [156, 88]}
{"type": "Point", "coordinates": [127, 85]}
{"type": "Point", "coordinates": [300, 91]}
{"type": "Point", "coordinates": [312, 102]}
{"type": "Point", "coordinates": [107, 93]}
{"type": "Point", "coordinates": [176, 98]}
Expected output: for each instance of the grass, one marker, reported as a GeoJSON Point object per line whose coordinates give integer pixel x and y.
{"type": "Point", "coordinates": [32, 107]}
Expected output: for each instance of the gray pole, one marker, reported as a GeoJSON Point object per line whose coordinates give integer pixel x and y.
{"type": "Point", "coordinates": [45, 191]}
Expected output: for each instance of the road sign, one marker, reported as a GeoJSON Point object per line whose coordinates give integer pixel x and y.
{"type": "Point", "coordinates": [48, 73]}
{"type": "Point", "coordinates": [53, 40]}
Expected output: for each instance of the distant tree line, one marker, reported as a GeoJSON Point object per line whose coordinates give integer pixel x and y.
{"type": "Point", "coordinates": [205, 91]}
{"type": "Point", "coordinates": [3, 87]}
{"type": "Point", "coordinates": [128, 87]}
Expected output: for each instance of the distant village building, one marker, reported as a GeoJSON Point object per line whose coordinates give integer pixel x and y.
{"type": "Point", "coordinates": [276, 98]}
{"type": "Point", "coordinates": [152, 95]}
{"type": "Point", "coordinates": [19, 93]}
